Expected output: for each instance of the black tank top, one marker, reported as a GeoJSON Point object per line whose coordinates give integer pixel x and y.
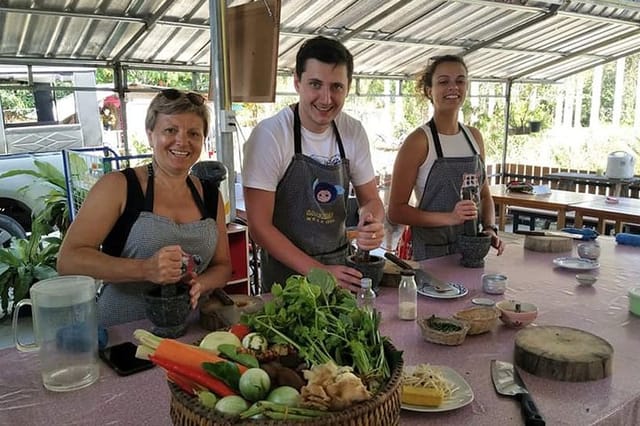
{"type": "Point", "coordinates": [138, 202]}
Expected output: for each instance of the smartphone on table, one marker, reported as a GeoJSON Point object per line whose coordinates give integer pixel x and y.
{"type": "Point", "coordinates": [122, 358]}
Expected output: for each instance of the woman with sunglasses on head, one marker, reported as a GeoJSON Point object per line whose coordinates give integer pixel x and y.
{"type": "Point", "coordinates": [440, 161]}
{"type": "Point", "coordinates": [136, 225]}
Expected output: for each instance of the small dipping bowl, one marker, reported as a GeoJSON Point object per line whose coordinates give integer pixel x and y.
{"type": "Point", "coordinates": [494, 283]}
{"type": "Point", "coordinates": [586, 279]}
{"type": "Point", "coordinates": [517, 314]}
{"type": "Point", "coordinates": [634, 301]}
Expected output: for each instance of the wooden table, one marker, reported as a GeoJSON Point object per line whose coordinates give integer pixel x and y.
{"type": "Point", "coordinates": [143, 398]}
{"type": "Point", "coordinates": [627, 210]}
{"type": "Point", "coordinates": [557, 201]}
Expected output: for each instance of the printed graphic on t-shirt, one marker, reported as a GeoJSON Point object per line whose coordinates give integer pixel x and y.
{"type": "Point", "coordinates": [324, 194]}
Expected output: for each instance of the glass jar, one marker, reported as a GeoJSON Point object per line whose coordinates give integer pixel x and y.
{"type": "Point", "coordinates": [407, 296]}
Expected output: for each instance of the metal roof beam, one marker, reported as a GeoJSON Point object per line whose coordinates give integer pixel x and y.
{"type": "Point", "coordinates": [63, 13]}
{"type": "Point", "coordinates": [104, 17]}
{"type": "Point", "coordinates": [420, 43]}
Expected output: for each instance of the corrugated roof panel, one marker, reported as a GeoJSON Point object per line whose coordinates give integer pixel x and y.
{"type": "Point", "coordinates": [499, 39]}
{"type": "Point", "coordinates": [630, 45]}
{"type": "Point", "coordinates": [168, 44]}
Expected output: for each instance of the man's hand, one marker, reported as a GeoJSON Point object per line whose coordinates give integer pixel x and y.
{"type": "Point", "coordinates": [370, 233]}
{"type": "Point", "coordinates": [348, 278]}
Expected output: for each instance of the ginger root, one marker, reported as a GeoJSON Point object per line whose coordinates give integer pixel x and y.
{"type": "Point", "coordinates": [333, 388]}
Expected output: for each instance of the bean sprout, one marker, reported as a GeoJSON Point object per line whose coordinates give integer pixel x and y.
{"type": "Point", "coordinates": [426, 376]}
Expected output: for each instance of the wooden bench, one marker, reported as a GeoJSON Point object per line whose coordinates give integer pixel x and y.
{"type": "Point", "coordinates": [528, 216]}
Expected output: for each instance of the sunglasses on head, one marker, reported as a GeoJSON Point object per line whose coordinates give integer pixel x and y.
{"type": "Point", "coordinates": [173, 94]}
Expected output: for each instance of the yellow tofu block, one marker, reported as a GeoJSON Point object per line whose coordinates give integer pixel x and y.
{"type": "Point", "coordinates": [428, 397]}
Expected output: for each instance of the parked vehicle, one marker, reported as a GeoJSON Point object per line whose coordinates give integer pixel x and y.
{"type": "Point", "coordinates": [22, 195]}
{"type": "Point", "coordinates": [59, 118]}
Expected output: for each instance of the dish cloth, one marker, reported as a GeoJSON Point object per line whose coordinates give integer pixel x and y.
{"type": "Point", "coordinates": [588, 234]}
{"type": "Point", "coordinates": [628, 239]}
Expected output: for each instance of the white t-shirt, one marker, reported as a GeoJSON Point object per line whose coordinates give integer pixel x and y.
{"type": "Point", "coordinates": [452, 146]}
{"type": "Point", "coordinates": [270, 149]}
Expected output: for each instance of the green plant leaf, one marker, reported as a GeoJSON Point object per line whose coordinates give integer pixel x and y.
{"type": "Point", "coordinates": [56, 210]}
{"type": "Point", "coordinates": [42, 272]}
{"type": "Point", "coordinates": [51, 174]}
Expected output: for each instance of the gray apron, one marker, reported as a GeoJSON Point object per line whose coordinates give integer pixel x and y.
{"type": "Point", "coordinates": [441, 193]}
{"type": "Point", "coordinates": [123, 302]}
{"type": "Point", "coordinates": [310, 209]}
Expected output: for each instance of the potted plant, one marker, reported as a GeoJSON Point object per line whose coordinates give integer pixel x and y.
{"type": "Point", "coordinates": [25, 262]}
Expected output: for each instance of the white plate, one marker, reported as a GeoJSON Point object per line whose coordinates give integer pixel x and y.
{"type": "Point", "coordinates": [576, 263]}
{"type": "Point", "coordinates": [459, 398]}
{"type": "Point", "coordinates": [457, 290]}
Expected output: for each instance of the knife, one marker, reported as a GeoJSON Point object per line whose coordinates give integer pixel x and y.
{"type": "Point", "coordinates": [549, 234]}
{"type": "Point", "coordinates": [422, 276]}
{"type": "Point", "coordinates": [507, 382]}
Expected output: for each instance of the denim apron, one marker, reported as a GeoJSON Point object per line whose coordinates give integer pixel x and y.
{"type": "Point", "coordinates": [310, 209]}
{"type": "Point", "coordinates": [123, 302]}
{"type": "Point", "coordinates": [441, 193]}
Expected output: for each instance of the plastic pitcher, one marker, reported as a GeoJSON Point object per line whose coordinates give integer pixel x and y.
{"type": "Point", "coordinates": [65, 328]}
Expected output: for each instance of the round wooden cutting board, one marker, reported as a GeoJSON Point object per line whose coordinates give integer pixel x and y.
{"type": "Point", "coordinates": [548, 244]}
{"type": "Point", "coordinates": [563, 353]}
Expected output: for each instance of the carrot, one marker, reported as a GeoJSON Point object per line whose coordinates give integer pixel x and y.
{"type": "Point", "coordinates": [170, 349]}
{"type": "Point", "coordinates": [197, 375]}
{"type": "Point", "coordinates": [187, 385]}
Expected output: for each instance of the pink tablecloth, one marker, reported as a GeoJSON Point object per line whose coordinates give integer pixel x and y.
{"type": "Point", "coordinates": [143, 399]}
{"type": "Point", "coordinates": [601, 310]}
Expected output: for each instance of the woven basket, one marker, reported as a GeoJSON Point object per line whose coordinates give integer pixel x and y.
{"type": "Point", "coordinates": [452, 338]}
{"type": "Point", "coordinates": [480, 319]}
{"type": "Point", "coordinates": [383, 409]}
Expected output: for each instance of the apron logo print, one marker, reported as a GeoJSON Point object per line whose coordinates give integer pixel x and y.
{"type": "Point", "coordinates": [325, 193]}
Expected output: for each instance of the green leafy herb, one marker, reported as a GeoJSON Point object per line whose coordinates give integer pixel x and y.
{"type": "Point", "coordinates": [322, 321]}
{"type": "Point", "coordinates": [443, 325]}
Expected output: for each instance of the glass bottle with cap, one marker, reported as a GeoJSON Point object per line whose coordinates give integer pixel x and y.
{"type": "Point", "coordinates": [366, 296]}
{"type": "Point", "coordinates": [407, 296]}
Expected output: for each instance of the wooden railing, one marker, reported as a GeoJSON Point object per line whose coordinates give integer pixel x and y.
{"type": "Point", "coordinates": [535, 176]}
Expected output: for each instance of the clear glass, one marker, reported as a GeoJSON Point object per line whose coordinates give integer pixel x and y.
{"type": "Point", "coordinates": [407, 298]}
{"type": "Point", "coordinates": [366, 296]}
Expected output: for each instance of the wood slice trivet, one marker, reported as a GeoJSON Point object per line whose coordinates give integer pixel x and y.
{"type": "Point", "coordinates": [563, 353]}
{"type": "Point", "coordinates": [547, 244]}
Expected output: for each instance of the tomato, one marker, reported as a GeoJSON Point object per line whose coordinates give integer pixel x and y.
{"type": "Point", "coordinates": [240, 330]}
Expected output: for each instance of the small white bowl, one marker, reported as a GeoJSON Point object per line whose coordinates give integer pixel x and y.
{"type": "Point", "coordinates": [586, 279]}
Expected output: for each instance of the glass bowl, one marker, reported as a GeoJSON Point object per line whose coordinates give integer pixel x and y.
{"type": "Point", "coordinates": [586, 279]}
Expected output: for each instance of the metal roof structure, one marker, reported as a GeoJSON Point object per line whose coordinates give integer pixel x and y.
{"type": "Point", "coordinates": [508, 40]}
